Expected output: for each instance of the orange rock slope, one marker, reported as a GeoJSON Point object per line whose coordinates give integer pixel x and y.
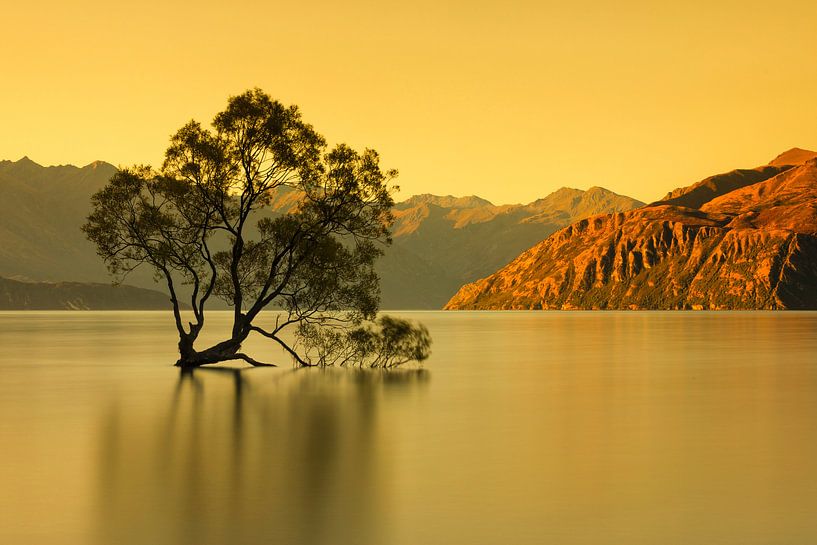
{"type": "Point", "coordinates": [742, 240]}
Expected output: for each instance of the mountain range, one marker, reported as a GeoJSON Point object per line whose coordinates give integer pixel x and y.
{"type": "Point", "coordinates": [746, 239]}
{"type": "Point", "coordinates": [41, 212]}
{"type": "Point", "coordinates": [443, 242]}
{"type": "Point", "coordinates": [17, 295]}
{"type": "Point", "coordinates": [440, 242]}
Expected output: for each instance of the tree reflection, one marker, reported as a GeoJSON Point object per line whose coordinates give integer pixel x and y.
{"type": "Point", "coordinates": [251, 456]}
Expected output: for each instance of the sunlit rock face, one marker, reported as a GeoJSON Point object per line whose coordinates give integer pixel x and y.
{"type": "Point", "coordinates": [742, 240]}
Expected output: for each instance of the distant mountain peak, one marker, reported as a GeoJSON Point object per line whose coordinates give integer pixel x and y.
{"type": "Point", "coordinates": [448, 201]}
{"type": "Point", "coordinates": [565, 189]}
{"type": "Point", "coordinates": [566, 198]}
{"type": "Point", "coordinates": [794, 156]}
{"type": "Point", "coordinates": [99, 164]}
{"type": "Point", "coordinates": [23, 166]}
{"type": "Point", "coordinates": [25, 160]}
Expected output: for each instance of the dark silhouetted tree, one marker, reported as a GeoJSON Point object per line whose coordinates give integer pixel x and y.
{"type": "Point", "coordinates": [256, 211]}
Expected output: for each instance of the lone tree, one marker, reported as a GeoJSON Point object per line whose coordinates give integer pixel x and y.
{"type": "Point", "coordinates": [256, 211]}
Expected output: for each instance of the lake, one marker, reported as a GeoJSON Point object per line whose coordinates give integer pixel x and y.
{"type": "Point", "coordinates": [522, 428]}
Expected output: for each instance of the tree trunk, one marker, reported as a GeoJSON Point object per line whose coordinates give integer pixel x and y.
{"type": "Point", "coordinates": [223, 351]}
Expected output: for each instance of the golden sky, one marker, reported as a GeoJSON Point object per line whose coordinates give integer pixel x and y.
{"type": "Point", "coordinates": [507, 100]}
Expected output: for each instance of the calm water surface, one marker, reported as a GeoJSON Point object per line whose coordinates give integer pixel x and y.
{"type": "Point", "coordinates": [523, 428]}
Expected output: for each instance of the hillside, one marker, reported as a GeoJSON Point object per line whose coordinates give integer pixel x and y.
{"type": "Point", "coordinates": [441, 243]}
{"type": "Point", "coordinates": [16, 295]}
{"type": "Point", "coordinates": [40, 215]}
{"type": "Point", "coordinates": [741, 240]}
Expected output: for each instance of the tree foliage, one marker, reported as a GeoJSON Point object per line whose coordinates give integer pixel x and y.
{"type": "Point", "coordinates": [258, 212]}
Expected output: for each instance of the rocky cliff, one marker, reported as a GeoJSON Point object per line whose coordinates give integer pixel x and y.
{"type": "Point", "coordinates": [742, 240]}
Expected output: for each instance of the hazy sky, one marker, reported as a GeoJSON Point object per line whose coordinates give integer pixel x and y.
{"type": "Point", "coordinates": [508, 100]}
